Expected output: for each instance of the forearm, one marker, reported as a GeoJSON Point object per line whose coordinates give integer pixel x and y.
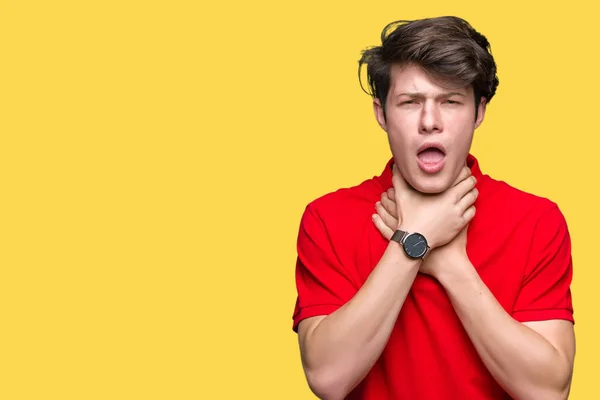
{"type": "Point", "coordinates": [344, 346]}
{"type": "Point", "coordinates": [520, 359]}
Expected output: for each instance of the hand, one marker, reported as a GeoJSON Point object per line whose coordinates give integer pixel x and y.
{"type": "Point", "coordinates": [436, 262]}
{"type": "Point", "coordinates": [438, 217]}
{"type": "Point", "coordinates": [438, 259]}
{"type": "Point", "coordinates": [447, 255]}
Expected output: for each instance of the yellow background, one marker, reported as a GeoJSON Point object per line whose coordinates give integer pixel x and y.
{"type": "Point", "coordinates": [156, 158]}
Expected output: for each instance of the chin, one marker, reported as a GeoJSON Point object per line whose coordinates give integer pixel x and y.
{"type": "Point", "coordinates": [431, 184]}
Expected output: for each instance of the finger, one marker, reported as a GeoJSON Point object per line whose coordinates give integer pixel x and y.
{"type": "Point", "coordinates": [387, 218]}
{"type": "Point", "coordinates": [469, 214]}
{"type": "Point", "coordinates": [391, 194]}
{"type": "Point", "coordinates": [468, 199]}
{"type": "Point", "coordinates": [389, 205]}
{"type": "Point", "coordinates": [382, 227]}
{"type": "Point", "coordinates": [463, 187]}
{"type": "Point", "coordinates": [463, 174]}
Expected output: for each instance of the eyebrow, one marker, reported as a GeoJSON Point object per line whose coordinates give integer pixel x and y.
{"type": "Point", "coordinates": [422, 95]}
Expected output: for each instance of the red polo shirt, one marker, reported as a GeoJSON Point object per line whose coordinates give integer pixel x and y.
{"type": "Point", "coordinates": [519, 243]}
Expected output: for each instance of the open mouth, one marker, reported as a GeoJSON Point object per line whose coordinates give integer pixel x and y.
{"type": "Point", "coordinates": [431, 153]}
{"type": "Point", "coordinates": [431, 157]}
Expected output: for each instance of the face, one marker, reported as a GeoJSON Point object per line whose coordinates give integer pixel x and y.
{"type": "Point", "coordinates": [430, 127]}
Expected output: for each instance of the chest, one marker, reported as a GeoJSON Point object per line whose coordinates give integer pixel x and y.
{"type": "Point", "coordinates": [497, 254]}
{"type": "Point", "coordinates": [428, 338]}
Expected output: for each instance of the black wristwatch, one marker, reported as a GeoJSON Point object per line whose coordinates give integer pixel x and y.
{"type": "Point", "coordinates": [414, 244]}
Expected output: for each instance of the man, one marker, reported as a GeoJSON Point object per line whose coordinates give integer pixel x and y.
{"type": "Point", "coordinates": [433, 280]}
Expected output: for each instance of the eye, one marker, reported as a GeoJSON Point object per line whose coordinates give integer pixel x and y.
{"type": "Point", "coordinates": [408, 102]}
{"type": "Point", "coordinates": [451, 102]}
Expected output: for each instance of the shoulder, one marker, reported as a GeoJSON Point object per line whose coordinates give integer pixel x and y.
{"type": "Point", "coordinates": [347, 202]}
{"type": "Point", "coordinates": [524, 210]}
{"type": "Point", "coordinates": [344, 212]}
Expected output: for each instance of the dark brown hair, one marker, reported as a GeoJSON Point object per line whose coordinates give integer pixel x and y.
{"type": "Point", "coordinates": [447, 48]}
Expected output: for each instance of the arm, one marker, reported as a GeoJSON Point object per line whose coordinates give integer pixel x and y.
{"type": "Point", "coordinates": [531, 360]}
{"type": "Point", "coordinates": [340, 349]}
{"type": "Point", "coordinates": [528, 364]}
{"type": "Point", "coordinates": [531, 352]}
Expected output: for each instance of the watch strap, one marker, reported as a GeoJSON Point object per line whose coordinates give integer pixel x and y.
{"type": "Point", "coordinates": [399, 236]}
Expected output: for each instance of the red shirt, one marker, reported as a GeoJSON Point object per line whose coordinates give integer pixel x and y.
{"type": "Point", "coordinates": [519, 243]}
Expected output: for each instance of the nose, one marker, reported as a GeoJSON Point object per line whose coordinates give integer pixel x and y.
{"type": "Point", "coordinates": [431, 121]}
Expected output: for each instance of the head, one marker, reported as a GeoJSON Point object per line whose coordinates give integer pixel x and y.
{"type": "Point", "coordinates": [431, 80]}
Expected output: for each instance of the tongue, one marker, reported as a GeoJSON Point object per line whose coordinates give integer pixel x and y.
{"type": "Point", "coordinates": [431, 156]}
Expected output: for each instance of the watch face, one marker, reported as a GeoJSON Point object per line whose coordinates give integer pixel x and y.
{"type": "Point", "coordinates": [415, 245]}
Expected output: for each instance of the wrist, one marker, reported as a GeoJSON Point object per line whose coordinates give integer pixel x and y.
{"type": "Point", "coordinates": [459, 270]}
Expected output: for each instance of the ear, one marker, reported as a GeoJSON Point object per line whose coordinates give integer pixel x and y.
{"type": "Point", "coordinates": [480, 112]}
{"type": "Point", "coordinates": [379, 114]}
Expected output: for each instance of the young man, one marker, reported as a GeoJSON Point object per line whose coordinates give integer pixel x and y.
{"type": "Point", "coordinates": [433, 280]}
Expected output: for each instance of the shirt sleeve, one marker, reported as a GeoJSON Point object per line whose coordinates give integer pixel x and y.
{"type": "Point", "coordinates": [323, 284]}
{"type": "Point", "coordinates": [545, 292]}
